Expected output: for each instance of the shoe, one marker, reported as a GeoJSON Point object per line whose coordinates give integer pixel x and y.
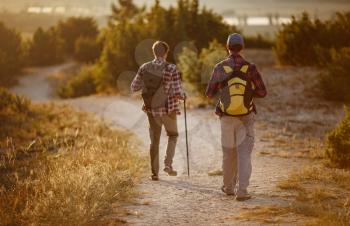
{"type": "Point", "coordinates": [154, 177]}
{"type": "Point", "coordinates": [243, 196]}
{"type": "Point", "coordinates": [223, 189]}
{"type": "Point", "coordinates": [170, 171]}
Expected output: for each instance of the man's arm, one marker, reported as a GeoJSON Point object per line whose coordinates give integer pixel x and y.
{"type": "Point", "coordinates": [214, 83]}
{"type": "Point", "coordinates": [259, 86]}
{"type": "Point", "coordinates": [177, 84]}
{"type": "Point", "coordinates": [137, 83]}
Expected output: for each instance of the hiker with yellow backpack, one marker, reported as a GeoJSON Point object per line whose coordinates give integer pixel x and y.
{"type": "Point", "coordinates": [237, 82]}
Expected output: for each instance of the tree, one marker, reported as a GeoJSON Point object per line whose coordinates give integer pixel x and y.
{"type": "Point", "coordinates": [45, 48]}
{"type": "Point", "coordinates": [74, 28]}
{"type": "Point", "coordinates": [129, 25]}
{"type": "Point", "coordinates": [87, 50]}
{"type": "Point", "coordinates": [124, 10]}
{"type": "Point", "coordinates": [11, 54]}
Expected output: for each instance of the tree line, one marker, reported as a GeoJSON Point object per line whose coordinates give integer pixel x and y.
{"type": "Point", "coordinates": [76, 38]}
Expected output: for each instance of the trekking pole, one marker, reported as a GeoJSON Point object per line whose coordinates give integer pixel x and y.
{"type": "Point", "coordinates": [187, 153]}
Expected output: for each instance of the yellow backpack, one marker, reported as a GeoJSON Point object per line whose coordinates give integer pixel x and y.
{"type": "Point", "coordinates": [236, 98]}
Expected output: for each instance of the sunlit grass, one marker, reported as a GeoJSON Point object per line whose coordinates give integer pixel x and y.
{"type": "Point", "coordinates": [322, 194]}
{"type": "Point", "coordinates": [65, 168]}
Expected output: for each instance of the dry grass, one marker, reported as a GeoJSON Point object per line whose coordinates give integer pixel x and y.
{"type": "Point", "coordinates": [264, 214]}
{"type": "Point", "coordinates": [322, 194]}
{"type": "Point", "coordinates": [63, 168]}
{"type": "Point", "coordinates": [286, 146]}
{"type": "Point", "coordinates": [218, 172]}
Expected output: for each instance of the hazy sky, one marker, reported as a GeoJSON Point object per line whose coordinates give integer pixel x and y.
{"type": "Point", "coordinates": [320, 8]}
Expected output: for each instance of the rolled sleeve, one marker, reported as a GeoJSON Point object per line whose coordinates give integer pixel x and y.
{"type": "Point", "coordinates": [177, 84]}
{"type": "Point", "coordinates": [214, 83]}
{"type": "Point", "coordinates": [137, 83]}
{"type": "Point", "coordinates": [260, 89]}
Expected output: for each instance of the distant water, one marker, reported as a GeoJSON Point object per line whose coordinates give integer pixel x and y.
{"type": "Point", "coordinates": [257, 21]}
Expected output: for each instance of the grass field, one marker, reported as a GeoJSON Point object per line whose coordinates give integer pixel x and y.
{"type": "Point", "coordinates": [60, 167]}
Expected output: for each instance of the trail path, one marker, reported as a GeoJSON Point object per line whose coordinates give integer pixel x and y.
{"type": "Point", "coordinates": [36, 85]}
{"type": "Point", "coordinates": [196, 200]}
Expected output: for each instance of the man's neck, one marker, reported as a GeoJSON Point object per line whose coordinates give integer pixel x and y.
{"type": "Point", "coordinates": [160, 58]}
{"type": "Point", "coordinates": [234, 53]}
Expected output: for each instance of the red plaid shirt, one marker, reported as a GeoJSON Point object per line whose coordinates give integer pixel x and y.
{"type": "Point", "coordinates": [217, 80]}
{"type": "Point", "coordinates": [172, 85]}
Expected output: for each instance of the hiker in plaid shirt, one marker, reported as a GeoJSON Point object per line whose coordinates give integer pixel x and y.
{"type": "Point", "coordinates": [170, 89]}
{"type": "Point", "coordinates": [237, 120]}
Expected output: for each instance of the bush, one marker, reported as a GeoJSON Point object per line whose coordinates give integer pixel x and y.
{"type": "Point", "coordinates": [87, 50]}
{"type": "Point", "coordinates": [13, 112]}
{"type": "Point", "coordinates": [258, 42]}
{"type": "Point", "coordinates": [79, 85]}
{"type": "Point", "coordinates": [197, 69]}
{"type": "Point", "coordinates": [338, 140]}
{"type": "Point", "coordinates": [335, 82]}
{"type": "Point", "coordinates": [306, 42]}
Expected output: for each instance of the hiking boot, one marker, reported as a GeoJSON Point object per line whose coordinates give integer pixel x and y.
{"type": "Point", "coordinates": [243, 195]}
{"type": "Point", "coordinates": [170, 171]}
{"type": "Point", "coordinates": [223, 189]}
{"type": "Point", "coordinates": [154, 177]}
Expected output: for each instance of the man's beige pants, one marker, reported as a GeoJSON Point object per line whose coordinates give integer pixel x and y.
{"type": "Point", "coordinates": [237, 138]}
{"type": "Point", "coordinates": [155, 129]}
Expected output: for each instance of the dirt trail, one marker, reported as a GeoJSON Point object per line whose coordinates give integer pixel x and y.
{"type": "Point", "coordinates": [198, 200]}
{"type": "Point", "coordinates": [36, 85]}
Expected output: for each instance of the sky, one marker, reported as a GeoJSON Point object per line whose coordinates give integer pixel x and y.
{"type": "Point", "coordinates": [320, 8]}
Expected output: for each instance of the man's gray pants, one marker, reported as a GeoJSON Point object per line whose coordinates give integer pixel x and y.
{"type": "Point", "coordinates": [237, 137]}
{"type": "Point", "coordinates": [155, 129]}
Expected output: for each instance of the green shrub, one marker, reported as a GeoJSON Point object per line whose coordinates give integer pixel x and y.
{"type": "Point", "coordinates": [335, 81]}
{"type": "Point", "coordinates": [197, 69]}
{"type": "Point", "coordinates": [338, 140]}
{"type": "Point", "coordinates": [307, 42]}
{"type": "Point", "coordinates": [87, 50]}
{"type": "Point", "coordinates": [79, 85]}
{"type": "Point", "coordinates": [13, 113]}
{"type": "Point", "coordinates": [258, 42]}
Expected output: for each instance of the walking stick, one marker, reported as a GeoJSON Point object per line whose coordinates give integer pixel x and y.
{"type": "Point", "coordinates": [188, 161]}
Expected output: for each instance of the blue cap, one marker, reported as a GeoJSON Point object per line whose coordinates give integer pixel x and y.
{"type": "Point", "coordinates": [235, 39]}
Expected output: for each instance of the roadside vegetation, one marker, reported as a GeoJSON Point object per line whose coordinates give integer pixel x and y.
{"type": "Point", "coordinates": [196, 68]}
{"type": "Point", "coordinates": [60, 167]}
{"type": "Point", "coordinates": [76, 38]}
{"type": "Point", "coordinates": [324, 44]}
{"type": "Point", "coordinates": [320, 190]}
{"type": "Point", "coordinates": [323, 190]}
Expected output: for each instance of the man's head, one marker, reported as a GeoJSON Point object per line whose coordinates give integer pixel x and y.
{"type": "Point", "coordinates": [235, 43]}
{"type": "Point", "coordinates": [160, 49]}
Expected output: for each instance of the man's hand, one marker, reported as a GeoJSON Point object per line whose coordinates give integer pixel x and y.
{"type": "Point", "coordinates": [181, 97]}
